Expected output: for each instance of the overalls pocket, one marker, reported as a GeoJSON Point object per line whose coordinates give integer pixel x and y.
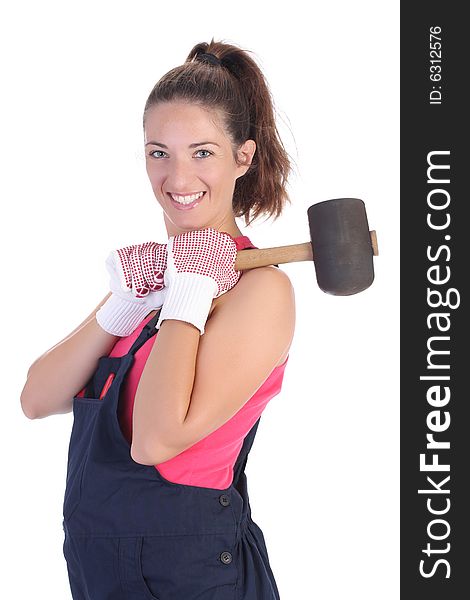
{"type": "Point", "coordinates": [131, 577]}
{"type": "Point", "coordinates": [85, 411]}
{"type": "Point", "coordinates": [190, 566]}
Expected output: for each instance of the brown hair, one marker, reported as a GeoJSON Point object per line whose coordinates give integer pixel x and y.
{"type": "Point", "coordinates": [237, 88]}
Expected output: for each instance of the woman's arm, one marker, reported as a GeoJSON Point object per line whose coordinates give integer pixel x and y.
{"type": "Point", "coordinates": [191, 384]}
{"type": "Point", "coordinates": [58, 374]}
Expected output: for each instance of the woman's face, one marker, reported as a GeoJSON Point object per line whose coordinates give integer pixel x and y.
{"type": "Point", "coordinates": [191, 167]}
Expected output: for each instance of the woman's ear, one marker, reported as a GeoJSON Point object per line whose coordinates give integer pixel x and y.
{"type": "Point", "coordinates": [245, 156]}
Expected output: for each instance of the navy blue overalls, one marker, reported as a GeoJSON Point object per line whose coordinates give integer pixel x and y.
{"type": "Point", "coordinates": [131, 534]}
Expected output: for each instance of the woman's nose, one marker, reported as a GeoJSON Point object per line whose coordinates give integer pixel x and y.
{"type": "Point", "coordinates": [179, 176]}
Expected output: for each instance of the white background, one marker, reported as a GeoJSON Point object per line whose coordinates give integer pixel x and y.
{"type": "Point", "coordinates": [323, 471]}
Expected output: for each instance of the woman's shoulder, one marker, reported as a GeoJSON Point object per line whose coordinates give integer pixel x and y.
{"type": "Point", "coordinates": [258, 285]}
{"type": "Point", "coordinates": [264, 300]}
{"type": "Point", "coordinates": [267, 280]}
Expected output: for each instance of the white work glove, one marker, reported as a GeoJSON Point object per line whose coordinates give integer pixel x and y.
{"type": "Point", "coordinates": [136, 284]}
{"type": "Point", "coordinates": [200, 267]}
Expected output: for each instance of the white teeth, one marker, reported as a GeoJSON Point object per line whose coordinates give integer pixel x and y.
{"type": "Point", "coordinates": [186, 199]}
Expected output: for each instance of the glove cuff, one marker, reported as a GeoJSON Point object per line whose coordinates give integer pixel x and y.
{"type": "Point", "coordinates": [120, 317]}
{"type": "Point", "coordinates": [189, 298]}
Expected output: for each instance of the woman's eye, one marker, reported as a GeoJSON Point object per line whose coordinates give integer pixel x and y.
{"type": "Point", "coordinates": [208, 153]}
{"type": "Point", "coordinates": [155, 152]}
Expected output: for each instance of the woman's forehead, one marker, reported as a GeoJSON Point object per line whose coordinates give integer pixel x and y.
{"type": "Point", "coordinates": [181, 117]}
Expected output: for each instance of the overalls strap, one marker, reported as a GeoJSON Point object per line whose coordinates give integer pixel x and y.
{"type": "Point", "coordinates": [147, 332]}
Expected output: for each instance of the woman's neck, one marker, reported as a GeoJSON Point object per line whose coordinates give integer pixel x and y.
{"type": "Point", "coordinates": [230, 228]}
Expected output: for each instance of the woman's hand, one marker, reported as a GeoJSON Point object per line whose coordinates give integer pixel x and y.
{"type": "Point", "coordinates": [140, 267]}
{"type": "Point", "coordinates": [200, 268]}
{"type": "Point", "coordinates": [137, 286]}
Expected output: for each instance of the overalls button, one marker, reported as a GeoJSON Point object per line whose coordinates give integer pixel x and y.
{"type": "Point", "coordinates": [224, 500]}
{"type": "Point", "coordinates": [226, 558]}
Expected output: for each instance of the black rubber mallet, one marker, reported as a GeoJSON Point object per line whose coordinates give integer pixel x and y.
{"type": "Point", "coordinates": [341, 246]}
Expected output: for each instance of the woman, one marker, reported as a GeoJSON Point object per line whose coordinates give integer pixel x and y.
{"type": "Point", "coordinates": [177, 363]}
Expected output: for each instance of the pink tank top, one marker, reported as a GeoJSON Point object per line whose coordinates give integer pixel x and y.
{"type": "Point", "coordinates": [209, 462]}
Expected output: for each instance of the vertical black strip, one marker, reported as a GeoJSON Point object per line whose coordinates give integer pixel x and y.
{"type": "Point", "coordinates": [435, 257]}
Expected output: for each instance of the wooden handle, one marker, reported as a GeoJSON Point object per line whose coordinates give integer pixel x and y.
{"type": "Point", "coordinates": [373, 240]}
{"type": "Point", "coordinates": [250, 259]}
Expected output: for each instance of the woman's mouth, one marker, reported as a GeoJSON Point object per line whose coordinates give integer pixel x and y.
{"type": "Point", "coordinates": [186, 202]}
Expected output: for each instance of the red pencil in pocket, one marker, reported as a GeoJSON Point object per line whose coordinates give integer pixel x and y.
{"type": "Point", "coordinates": [107, 385]}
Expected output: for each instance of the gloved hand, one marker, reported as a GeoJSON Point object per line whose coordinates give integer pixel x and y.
{"type": "Point", "coordinates": [136, 284]}
{"type": "Point", "coordinates": [200, 268]}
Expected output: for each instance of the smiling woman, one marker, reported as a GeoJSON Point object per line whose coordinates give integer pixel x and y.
{"type": "Point", "coordinates": [171, 373]}
{"type": "Point", "coordinates": [190, 175]}
{"type": "Point", "coordinates": [228, 86]}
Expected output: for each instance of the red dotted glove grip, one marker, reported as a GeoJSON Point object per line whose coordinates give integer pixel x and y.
{"type": "Point", "coordinates": [141, 267]}
{"type": "Point", "coordinates": [207, 252]}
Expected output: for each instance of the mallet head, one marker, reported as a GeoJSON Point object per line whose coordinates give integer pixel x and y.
{"type": "Point", "coordinates": [342, 247]}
